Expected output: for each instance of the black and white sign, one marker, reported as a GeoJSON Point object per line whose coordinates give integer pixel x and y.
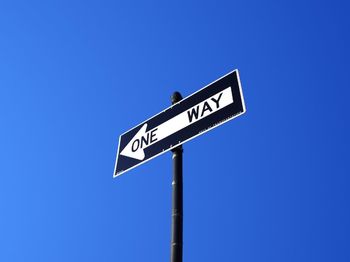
{"type": "Point", "coordinates": [200, 112]}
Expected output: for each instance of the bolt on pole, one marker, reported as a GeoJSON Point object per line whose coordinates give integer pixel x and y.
{"type": "Point", "coordinates": [177, 198]}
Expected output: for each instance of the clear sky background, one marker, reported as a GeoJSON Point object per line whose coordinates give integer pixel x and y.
{"type": "Point", "coordinates": [271, 185]}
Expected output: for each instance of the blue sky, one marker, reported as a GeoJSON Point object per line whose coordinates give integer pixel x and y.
{"type": "Point", "coordinates": [271, 185]}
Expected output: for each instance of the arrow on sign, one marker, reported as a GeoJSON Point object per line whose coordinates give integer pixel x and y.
{"type": "Point", "coordinates": [208, 108]}
{"type": "Point", "coordinates": [143, 139]}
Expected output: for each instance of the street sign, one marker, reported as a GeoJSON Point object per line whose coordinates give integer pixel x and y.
{"type": "Point", "coordinates": [211, 106]}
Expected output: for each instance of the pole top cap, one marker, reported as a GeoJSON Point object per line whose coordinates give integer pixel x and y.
{"type": "Point", "coordinates": [176, 97]}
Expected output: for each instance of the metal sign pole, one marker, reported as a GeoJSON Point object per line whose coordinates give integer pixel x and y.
{"type": "Point", "coordinates": [177, 198]}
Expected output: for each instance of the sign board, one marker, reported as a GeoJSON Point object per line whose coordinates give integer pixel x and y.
{"type": "Point", "coordinates": [211, 106]}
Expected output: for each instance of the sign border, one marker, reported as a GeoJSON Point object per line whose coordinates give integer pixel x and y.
{"type": "Point", "coordinates": [182, 142]}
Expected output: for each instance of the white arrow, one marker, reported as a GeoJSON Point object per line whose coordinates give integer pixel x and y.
{"type": "Point", "coordinates": [143, 139]}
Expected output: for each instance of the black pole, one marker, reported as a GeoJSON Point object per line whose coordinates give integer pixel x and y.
{"type": "Point", "coordinates": [177, 206]}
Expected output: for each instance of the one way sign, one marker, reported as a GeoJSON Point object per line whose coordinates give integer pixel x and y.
{"type": "Point", "coordinates": [200, 112]}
